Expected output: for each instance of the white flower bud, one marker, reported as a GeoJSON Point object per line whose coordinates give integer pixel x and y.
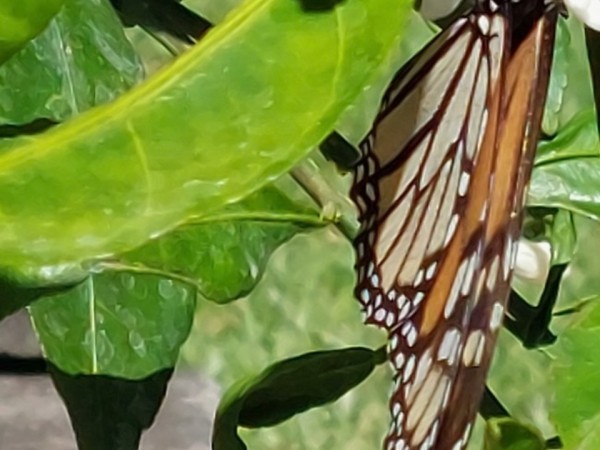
{"type": "Point", "coordinates": [533, 261]}
{"type": "Point", "coordinates": [588, 11]}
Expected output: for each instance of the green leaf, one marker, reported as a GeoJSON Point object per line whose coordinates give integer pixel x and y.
{"type": "Point", "coordinates": [288, 388]}
{"type": "Point", "coordinates": [225, 254]}
{"type": "Point", "coordinates": [571, 89]}
{"type": "Point", "coordinates": [579, 138]}
{"type": "Point", "coordinates": [574, 374]}
{"type": "Point", "coordinates": [21, 21]}
{"type": "Point", "coordinates": [570, 184]}
{"type": "Point", "coordinates": [83, 59]}
{"type": "Point", "coordinates": [563, 237]}
{"type": "Point", "coordinates": [116, 324]}
{"type": "Point", "coordinates": [566, 170]}
{"type": "Point", "coordinates": [14, 297]}
{"type": "Point", "coordinates": [110, 413]}
{"type": "Point", "coordinates": [508, 434]}
{"type": "Point", "coordinates": [236, 111]}
{"type": "Point", "coordinates": [558, 80]}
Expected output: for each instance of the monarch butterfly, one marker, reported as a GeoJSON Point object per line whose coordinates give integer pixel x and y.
{"type": "Point", "coordinates": [440, 189]}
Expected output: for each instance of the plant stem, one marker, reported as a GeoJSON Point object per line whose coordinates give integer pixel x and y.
{"type": "Point", "coordinates": [326, 198]}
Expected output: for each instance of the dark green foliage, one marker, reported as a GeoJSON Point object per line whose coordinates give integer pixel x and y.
{"type": "Point", "coordinates": [290, 387]}
{"type": "Point", "coordinates": [109, 413]}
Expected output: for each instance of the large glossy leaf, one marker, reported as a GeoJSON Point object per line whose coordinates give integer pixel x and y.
{"type": "Point", "coordinates": [83, 59]}
{"type": "Point", "coordinates": [575, 368]}
{"type": "Point", "coordinates": [231, 114]}
{"type": "Point", "coordinates": [225, 254]}
{"type": "Point", "coordinates": [116, 324]}
{"type": "Point", "coordinates": [20, 21]}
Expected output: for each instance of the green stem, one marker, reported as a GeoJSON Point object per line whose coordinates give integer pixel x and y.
{"type": "Point", "coordinates": [327, 199]}
{"type": "Point", "coordinates": [262, 216]}
{"type": "Point", "coordinates": [173, 50]}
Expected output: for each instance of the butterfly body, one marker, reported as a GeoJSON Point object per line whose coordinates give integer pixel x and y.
{"type": "Point", "coordinates": [440, 189]}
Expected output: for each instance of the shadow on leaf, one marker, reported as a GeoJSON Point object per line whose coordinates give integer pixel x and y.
{"type": "Point", "coordinates": [109, 413]}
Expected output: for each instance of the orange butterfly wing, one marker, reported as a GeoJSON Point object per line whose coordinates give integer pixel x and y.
{"type": "Point", "coordinates": [525, 91]}
{"type": "Point", "coordinates": [440, 193]}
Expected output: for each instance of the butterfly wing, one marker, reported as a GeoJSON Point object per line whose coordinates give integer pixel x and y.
{"type": "Point", "coordinates": [417, 165]}
{"type": "Point", "coordinates": [525, 92]}
{"type": "Point", "coordinates": [439, 191]}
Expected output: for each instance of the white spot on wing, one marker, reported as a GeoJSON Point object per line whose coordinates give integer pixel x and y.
{"type": "Point", "coordinates": [468, 281]}
{"type": "Point", "coordinates": [431, 271]}
{"type": "Point", "coordinates": [484, 24]}
{"type": "Point", "coordinates": [419, 296]}
{"type": "Point", "coordinates": [365, 296]}
{"type": "Point", "coordinates": [375, 280]}
{"type": "Point", "coordinates": [390, 319]}
{"type": "Point", "coordinates": [497, 316]}
{"type": "Point", "coordinates": [371, 192]}
{"type": "Point", "coordinates": [399, 360]}
{"type": "Point", "coordinates": [394, 342]}
{"type": "Point", "coordinates": [463, 184]}
{"type": "Point", "coordinates": [409, 367]}
{"type": "Point", "coordinates": [449, 346]}
{"type": "Point", "coordinates": [492, 276]}
{"type": "Point", "coordinates": [474, 347]}
{"type": "Point", "coordinates": [411, 337]}
{"type": "Point", "coordinates": [402, 300]}
{"type": "Point", "coordinates": [451, 229]}
{"type": "Point", "coordinates": [454, 291]}
{"type": "Point", "coordinates": [404, 311]}
{"type": "Point", "coordinates": [418, 278]}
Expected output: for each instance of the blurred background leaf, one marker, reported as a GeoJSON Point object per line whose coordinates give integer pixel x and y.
{"type": "Point", "coordinates": [508, 434]}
